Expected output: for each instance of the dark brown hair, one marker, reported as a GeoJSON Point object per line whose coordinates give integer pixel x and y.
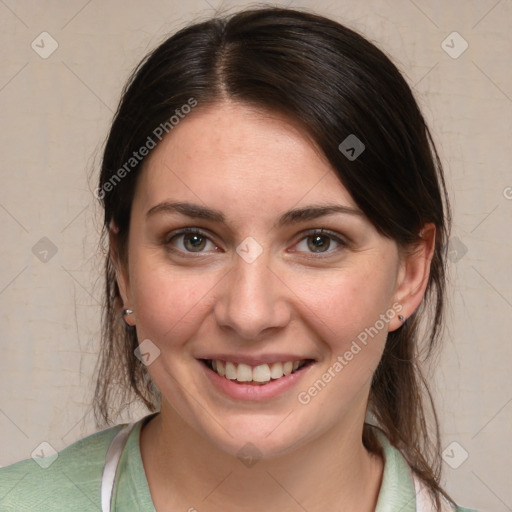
{"type": "Point", "coordinates": [334, 83]}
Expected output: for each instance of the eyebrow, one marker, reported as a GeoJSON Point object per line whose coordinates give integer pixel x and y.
{"type": "Point", "coordinates": [294, 216]}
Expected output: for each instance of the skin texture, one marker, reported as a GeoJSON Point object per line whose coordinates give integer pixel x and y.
{"type": "Point", "coordinates": [253, 167]}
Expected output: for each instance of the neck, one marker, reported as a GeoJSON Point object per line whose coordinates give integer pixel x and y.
{"type": "Point", "coordinates": [185, 471]}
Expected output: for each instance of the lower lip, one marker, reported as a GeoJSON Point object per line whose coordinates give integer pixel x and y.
{"type": "Point", "coordinates": [255, 392]}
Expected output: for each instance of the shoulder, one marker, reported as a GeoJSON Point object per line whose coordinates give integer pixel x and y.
{"type": "Point", "coordinates": [72, 475]}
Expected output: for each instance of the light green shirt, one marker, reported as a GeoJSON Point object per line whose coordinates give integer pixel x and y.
{"type": "Point", "coordinates": [73, 480]}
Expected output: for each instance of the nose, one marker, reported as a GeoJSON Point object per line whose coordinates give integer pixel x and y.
{"type": "Point", "coordinates": [253, 300]}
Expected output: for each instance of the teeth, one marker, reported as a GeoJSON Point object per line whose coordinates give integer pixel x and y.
{"type": "Point", "coordinates": [276, 371]}
{"type": "Point", "coordinates": [261, 373]}
{"type": "Point", "coordinates": [230, 371]}
{"type": "Point", "coordinates": [287, 367]}
{"type": "Point", "coordinates": [220, 369]}
{"type": "Point", "coordinates": [244, 373]}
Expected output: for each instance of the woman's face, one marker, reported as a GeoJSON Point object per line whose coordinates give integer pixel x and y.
{"type": "Point", "coordinates": [256, 289]}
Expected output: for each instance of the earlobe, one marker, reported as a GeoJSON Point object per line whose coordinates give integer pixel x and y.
{"type": "Point", "coordinates": [413, 275]}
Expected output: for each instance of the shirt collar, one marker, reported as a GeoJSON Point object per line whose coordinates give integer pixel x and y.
{"type": "Point", "coordinates": [396, 493]}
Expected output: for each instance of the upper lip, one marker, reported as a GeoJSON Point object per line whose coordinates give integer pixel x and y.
{"type": "Point", "coordinates": [255, 360]}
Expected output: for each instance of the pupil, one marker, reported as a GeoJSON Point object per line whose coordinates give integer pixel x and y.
{"type": "Point", "coordinates": [196, 241]}
{"type": "Point", "coordinates": [319, 242]}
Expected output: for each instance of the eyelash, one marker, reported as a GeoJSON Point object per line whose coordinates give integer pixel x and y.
{"type": "Point", "coordinates": [304, 236]}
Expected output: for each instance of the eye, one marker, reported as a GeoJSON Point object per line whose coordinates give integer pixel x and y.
{"type": "Point", "coordinates": [319, 241]}
{"type": "Point", "coordinates": [190, 240]}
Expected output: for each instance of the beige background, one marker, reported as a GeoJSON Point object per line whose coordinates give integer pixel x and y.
{"type": "Point", "coordinates": [55, 116]}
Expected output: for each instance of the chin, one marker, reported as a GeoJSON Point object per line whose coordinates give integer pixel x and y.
{"type": "Point", "coordinates": [258, 436]}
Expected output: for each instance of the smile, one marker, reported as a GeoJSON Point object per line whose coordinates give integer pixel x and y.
{"type": "Point", "coordinates": [257, 375]}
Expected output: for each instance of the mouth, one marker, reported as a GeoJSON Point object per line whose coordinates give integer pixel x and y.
{"type": "Point", "coordinates": [259, 375]}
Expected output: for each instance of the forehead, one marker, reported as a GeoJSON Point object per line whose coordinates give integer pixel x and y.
{"type": "Point", "coordinates": [232, 156]}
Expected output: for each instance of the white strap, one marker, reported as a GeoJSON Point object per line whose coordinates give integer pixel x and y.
{"type": "Point", "coordinates": [424, 501]}
{"type": "Point", "coordinates": [112, 458]}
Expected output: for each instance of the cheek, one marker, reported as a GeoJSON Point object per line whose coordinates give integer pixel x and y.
{"type": "Point", "coordinates": [170, 304]}
{"type": "Point", "coordinates": [341, 305]}
{"type": "Point", "coordinates": [345, 312]}
{"type": "Point", "coordinates": [346, 317]}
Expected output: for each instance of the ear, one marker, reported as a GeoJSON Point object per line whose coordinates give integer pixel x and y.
{"type": "Point", "coordinates": [413, 274]}
{"type": "Point", "coordinates": [121, 269]}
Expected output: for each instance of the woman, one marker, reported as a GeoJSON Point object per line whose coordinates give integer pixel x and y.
{"type": "Point", "coordinates": [277, 220]}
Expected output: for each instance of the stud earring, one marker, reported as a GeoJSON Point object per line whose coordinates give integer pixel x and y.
{"type": "Point", "coordinates": [127, 312]}
{"type": "Point", "coordinates": [401, 318]}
